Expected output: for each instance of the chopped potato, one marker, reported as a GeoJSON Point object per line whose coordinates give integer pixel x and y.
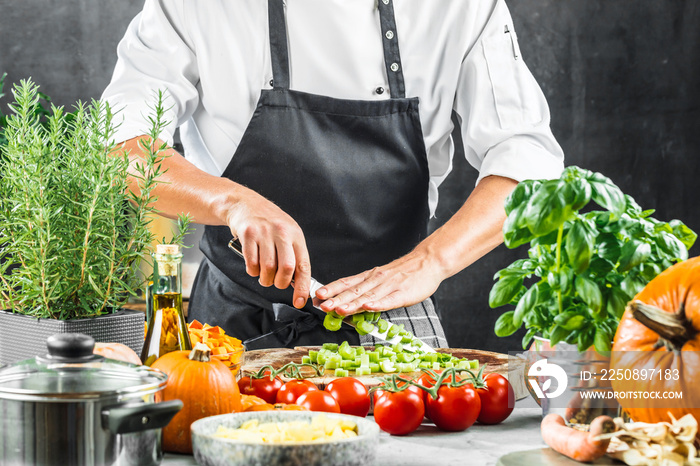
{"type": "Point", "coordinates": [320, 429]}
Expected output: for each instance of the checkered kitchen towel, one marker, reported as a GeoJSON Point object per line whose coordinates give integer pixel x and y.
{"type": "Point", "coordinates": [420, 319]}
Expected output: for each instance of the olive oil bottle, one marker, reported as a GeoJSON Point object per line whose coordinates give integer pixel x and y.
{"type": "Point", "coordinates": [167, 330]}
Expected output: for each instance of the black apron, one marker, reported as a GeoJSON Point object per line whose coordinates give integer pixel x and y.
{"type": "Point", "coordinates": [353, 174]}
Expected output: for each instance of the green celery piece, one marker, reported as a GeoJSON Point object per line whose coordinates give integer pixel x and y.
{"type": "Point", "coordinates": [393, 331]}
{"type": "Point", "coordinates": [387, 366]}
{"type": "Point", "coordinates": [416, 343]}
{"type": "Point", "coordinates": [406, 339]}
{"type": "Point", "coordinates": [382, 325]}
{"type": "Point", "coordinates": [364, 360]}
{"type": "Point", "coordinates": [397, 347]}
{"type": "Point", "coordinates": [347, 352]}
{"type": "Point", "coordinates": [474, 364]}
{"type": "Point", "coordinates": [425, 364]}
{"type": "Point", "coordinates": [321, 358]}
{"type": "Point", "coordinates": [363, 371]}
{"type": "Point", "coordinates": [374, 367]}
{"type": "Point", "coordinates": [373, 356]}
{"type": "Point", "coordinates": [330, 364]}
{"type": "Point", "coordinates": [436, 366]}
{"type": "Point", "coordinates": [448, 364]}
{"type": "Point", "coordinates": [341, 373]}
{"type": "Point", "coordinates": [350, 365]}
{"type": "Point", "coordinates": [313, 355]}
{"type": "Point", "coordinates": [332, 322]}
{"type": "Point", "coordinates": [364, 327]}
{"type": "Point", "coordinates": [357, 318]}
{"type": "Point", "coordinates": [306, 359]}
{"type": "Point", "coordinates": [462, 365]}
{"type": "Point", "coordinates": [360, 350]}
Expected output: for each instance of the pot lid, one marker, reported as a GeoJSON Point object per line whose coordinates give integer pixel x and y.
{"type": "Point", "coordinates": [71, 372]}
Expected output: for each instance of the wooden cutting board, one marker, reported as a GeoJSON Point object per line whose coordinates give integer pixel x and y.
{"type": "Point", "coordinates": [495, 362]}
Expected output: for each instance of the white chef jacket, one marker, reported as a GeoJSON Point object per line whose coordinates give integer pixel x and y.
{"type": "Point", "coordinates": [213, 58]}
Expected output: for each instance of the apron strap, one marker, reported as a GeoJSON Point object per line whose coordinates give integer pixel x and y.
{"type": "Point", "coordinates": [279, 51]}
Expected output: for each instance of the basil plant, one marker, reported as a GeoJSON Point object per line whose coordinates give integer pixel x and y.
{"type": "Point", "coordinates": [583, 265]}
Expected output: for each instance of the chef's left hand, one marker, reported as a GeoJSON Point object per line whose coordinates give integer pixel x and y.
{"type": "Point", "coordinates": [403, 282]}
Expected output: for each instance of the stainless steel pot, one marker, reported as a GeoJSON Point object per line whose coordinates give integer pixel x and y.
{"type": "Point", "coordinates": [72, 407]}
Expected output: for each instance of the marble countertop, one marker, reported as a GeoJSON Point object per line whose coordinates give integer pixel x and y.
{"type": "Point", "coordinates": [479, 445]}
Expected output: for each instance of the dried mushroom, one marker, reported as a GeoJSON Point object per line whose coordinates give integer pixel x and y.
{"type": "Point", "coordinates": [655, 444]}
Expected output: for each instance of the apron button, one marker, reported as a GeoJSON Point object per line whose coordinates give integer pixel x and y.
{"type": "Point", "coordinates": [272, 83]}
{"type": "Point", "coordinates": [389, 35]}
{"type": "Point", "coordinates": [386, 2]}
{"type": "Point", "coordinates": [379, 90]}
{"type": "Point", "coordinates": [394, 67]}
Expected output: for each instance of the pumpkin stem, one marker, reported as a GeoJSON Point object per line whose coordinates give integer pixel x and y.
{"type": "Point", "coordinates": [200, 352]}
{"type": "Point", "coordinates": [673, 328]}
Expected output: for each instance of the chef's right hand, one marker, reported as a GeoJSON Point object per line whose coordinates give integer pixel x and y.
{"type": "Point", "coordinates": [273, 244]}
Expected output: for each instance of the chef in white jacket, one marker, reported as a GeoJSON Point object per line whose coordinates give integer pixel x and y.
{"type": "Point", "coordinates": [318, 132]}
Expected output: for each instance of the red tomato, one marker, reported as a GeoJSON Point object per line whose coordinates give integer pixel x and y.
{"type": "Point", "coordinates": [497, 400]}
{"type": "Point", "coordinates": [455, 409]}
{"type": "Point", "coordinates": [412, 388]}
{"type": "Point", "coordinates": [428, 381]}
{"type": "Point", "coordinates": [318, 400]}
{"type": "Point", "coordinates": [351, 394]}
{"type": "Point", "coordinates": [399, 413]}
{"type": "Point", "coordinates": [290, 391]}
{"type": "Point", "coordinates": [263, 388]}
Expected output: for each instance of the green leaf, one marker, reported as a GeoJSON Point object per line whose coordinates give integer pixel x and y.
{"type": "Point", "coordinates": [515, 231]}
{"type": "Point", "coordinates": [633, 253]}
{"type": "Point", "coordinates": [609, 247]}
{"type": "Point", "coordinates": [558, 334]}
{"type": "Point", "coordinates": [547, 209]}
{"type": "Point", "coordinates": [589, 292]}
{"type": "Point", "coordinates": [683, 233]}
{"type": "Point", "coordinates": [527, 337]}
{"type": "Point", "coordinates": [585, 339]}
{"type": "Point", "coordinates": [505, 326]}
{"type": "Point", "coordinates": [671, 246]}
{"type": "Point", "coordinates": [578, 193]}
{"type": "Point", "coordinates": [579, 245]}
{"type": "Point", "coordinates": [602, 341]}
{"type": "Point", "coordinates": [570, 320]}
{"type": "Point", "coordinates": [632, 285]}
{"type": "Point", "coordinates": [607, 195]}
{"type": "Point", "coordinates": [520, 195]}
{"type": "Point", "coordinates": [525, 305]}
{"type": "Point", "coordinates": [616, 302]}
{"type": "Point", "coordinates": [504, 290]}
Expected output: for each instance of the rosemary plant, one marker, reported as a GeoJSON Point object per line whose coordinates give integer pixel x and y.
{"type": "Point", "coordinates": [69, 220]}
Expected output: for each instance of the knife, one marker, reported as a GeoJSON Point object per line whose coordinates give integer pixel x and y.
{"type": "Point", "coordinates": [235, 246]}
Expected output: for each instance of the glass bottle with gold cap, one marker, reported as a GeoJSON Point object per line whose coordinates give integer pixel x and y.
{"type": "Point", "coordinates": [167, 330]}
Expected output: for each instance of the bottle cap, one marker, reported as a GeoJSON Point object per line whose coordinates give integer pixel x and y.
{"type": "Point", "coordinates": [167, 249]}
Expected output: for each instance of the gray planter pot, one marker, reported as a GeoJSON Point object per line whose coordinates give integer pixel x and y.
{"type": "Point", "coordinates": [23, 337]}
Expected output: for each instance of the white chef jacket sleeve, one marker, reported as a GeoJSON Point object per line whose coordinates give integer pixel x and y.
{"type": "Point", "coordinates": [154, 55]}
{"type": "Point", "coordinates": [503, 113]}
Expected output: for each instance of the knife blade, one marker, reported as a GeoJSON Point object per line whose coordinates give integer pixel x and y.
{"type": "Point", "coordinates": [315, 285]}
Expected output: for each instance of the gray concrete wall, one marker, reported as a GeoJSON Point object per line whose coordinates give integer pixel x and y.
{"type": "Point", "coordinates": [622, 78]}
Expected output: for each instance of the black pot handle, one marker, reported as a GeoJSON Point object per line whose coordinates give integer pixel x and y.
{"type": "Point", "coordinates": [139, 417]}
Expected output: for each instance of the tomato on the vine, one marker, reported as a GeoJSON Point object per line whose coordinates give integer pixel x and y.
{"type": "Point", "coordinates": [290, 391]}
{"type": "Point", "coordinates": [263, 387]}
{"type": "Point", "coordinates": [455, 409]}
{"type": "Point", "coordinates": [377, 393]}
{"type": "Point", "coordinates": [351, 394]}
{"type": "Point", "coordinates": [497, 399]}
{"type": "Point", "coordinates": [398, 413]}
{"type": "Point", "coordinates": [319, 400]}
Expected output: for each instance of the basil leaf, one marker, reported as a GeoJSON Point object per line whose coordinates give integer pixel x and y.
{"type": "Point", "coordinates": [525, 305]}
{"type": "Point", "coordinates": [547, 209]}
{"type": "Point", "coordinates": [515, 231]}
{"type": "Point", "coordinates": [558, 334]}
{"type": "Point", "coordinates": [585, 340]}
{"type": "Point", "coordinates": [607, 195]}
{"type": "Point", "coordinates": [616, 302]}
{"type": "Point", "coordinates": [632, 285]}
{"type": "Point", "coordinates": [579, 246]}
{"type": "Point", "coordinates": [609, 247]}
{"type": "Point", "coordinates": [683, 233]}
{"type": "Point", "coordinates": [570, 320]}
{"type": "Point", "coordinates": [602, 341]}
{"type": "Point", "coordinates": [519, 196]}
{"type": "Point", "coordinates": [633, 253]}
{"type": "Point", "coordinates": [671, 246]}
{"type": "Point", "coordinates": [505, 326]}
{"type": "Point", "coordinates": [578, 193]}
{"type": "Point", "coordinates": [589, 292]}
{"type": "Point", "coordinates": [528, 336]}
{"type": "Point", "coordinates": [504, 290]}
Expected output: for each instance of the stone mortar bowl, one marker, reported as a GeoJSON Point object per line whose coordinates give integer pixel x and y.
{"type": "Point", "coordinates": [213, 451]}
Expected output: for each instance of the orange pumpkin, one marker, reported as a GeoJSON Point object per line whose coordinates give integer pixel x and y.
{"type": "Point", "coordinates": [206, 387]}
{"type": "Point", "coordinates": [117, 351]}
{"type": "Point", "coordinates": [660, 332]}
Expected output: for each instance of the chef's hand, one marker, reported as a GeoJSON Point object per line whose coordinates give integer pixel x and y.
{"type": "Point", "coordinates": [273, 245]}
{"type": "Point", "coordinates": [403, 282]}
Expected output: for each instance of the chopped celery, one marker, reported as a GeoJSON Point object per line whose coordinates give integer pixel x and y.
{"type": "Point", "coordinates": [313, 355]}
{"type": "Point", "coordinates": [330, 346]}
{"type": "Point", "coordinates": [374, 367]}
{"type": "Point", "coordinates": [330, 364]}
{"type": "Point", "coordinates": [387, 366]}
{"type": "Point", "coordinates": [393, 331]}
{"type": "Point", "coordinates": [363, 371]}
{"type": "Point", "coordinates": [364, 360]}
{"type": "Point", "coordinates": [397, 347]}
{"type": "Point", "coordinates": [306, 359]}
{"type": "Point", "coordinates": [364, 327]}
{"type": "Point", "coordinates": [341, 373]}
{"type": "Point", "coordinates": [332, 322]}
{"type": "Point", "coordinates": [382, 325]}
{"type": "Point", "coordinates": [406, 339]}
{"type": "Point", "coordinates": [373, 356]}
